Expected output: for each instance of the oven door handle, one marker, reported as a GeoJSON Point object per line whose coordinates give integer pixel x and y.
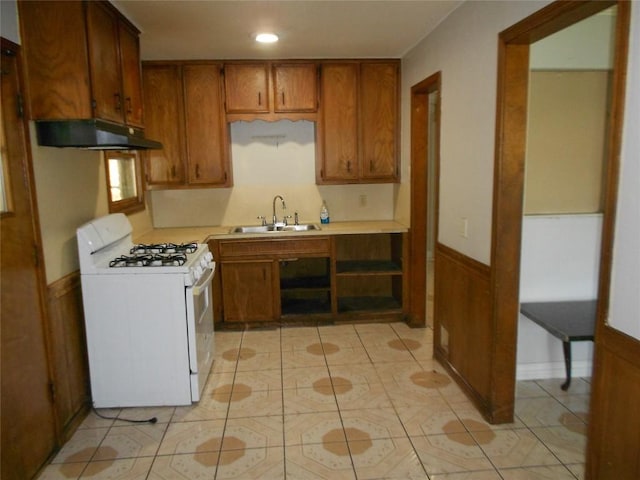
{"type": "Point", "coordinates": [203, 282]}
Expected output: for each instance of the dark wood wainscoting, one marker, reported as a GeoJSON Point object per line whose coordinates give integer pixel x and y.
{"type": "Point", "coordinates": [68, 353]}
{"type": "Point", "coordinates": [614, 425]}
{"type": "Point", "coordinates": [462, 322]}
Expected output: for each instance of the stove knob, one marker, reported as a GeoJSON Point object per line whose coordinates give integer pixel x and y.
{"type": "Point", "coordinates": [197, 272]}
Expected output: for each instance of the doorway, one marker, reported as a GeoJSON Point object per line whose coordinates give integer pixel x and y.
{"type": "Point", "coordinates": [511, 140]}
{"type": "Point", "coordinates": [569, 90]}
{"type": "Point", "coordinates": [425, 167]}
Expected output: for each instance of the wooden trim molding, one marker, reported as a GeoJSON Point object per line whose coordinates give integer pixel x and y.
{"type": "Point", "coordinates": [419, 193]}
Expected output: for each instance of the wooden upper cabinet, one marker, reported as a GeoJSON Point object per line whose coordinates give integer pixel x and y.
{"type": "Point", "coordinates": [114, 61]}
{"type": "Point", "coordinates": [379, 120]}
{"type": "Point", "coordinates": [131, 75]}
{"type": "Point", "coordinates": [358, 123]}
{"type": "Point", "coordinates": [104, 62]}
{"type": "Point", "coordinates": [247, 88]}
{"type": "Point", "coordinates": [55, 55]}
{"type": "Point", "coordinates": [271, 90]}
{"type": "Point", "coordinates": [206, 129]}
{"type": "Point", "coordinates": [338, 123]}
{"type": "Point", "coordinates": [82, 61]}
{"type": "Point", "coordinates": [184, 111]}
{"type": "Point", "coordinates": [163, 105]}
{"type": "Point", "coordinates": [295, 87]}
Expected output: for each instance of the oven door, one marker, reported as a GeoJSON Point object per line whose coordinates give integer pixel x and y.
{"type": "Point", "coordinates": [199, 301]}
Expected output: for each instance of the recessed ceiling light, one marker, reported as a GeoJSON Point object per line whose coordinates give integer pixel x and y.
{"type": "Point", "coordinates": [266, 38]}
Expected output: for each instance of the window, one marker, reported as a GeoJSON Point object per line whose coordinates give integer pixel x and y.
{"type": "Point", "coordinates": [124, 181]}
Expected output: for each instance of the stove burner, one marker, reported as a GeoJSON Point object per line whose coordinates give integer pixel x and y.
{"type": "Point", "coordinates": [182, 248]}
{"type": "Point", "coordinates": [150, 260]}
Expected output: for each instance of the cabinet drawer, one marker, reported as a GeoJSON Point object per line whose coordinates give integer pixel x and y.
{"type": "Point", "coordinates": [279, 248]}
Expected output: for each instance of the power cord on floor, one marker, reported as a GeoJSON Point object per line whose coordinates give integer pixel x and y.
{"type": "Point", "coordinates": [148, 420]}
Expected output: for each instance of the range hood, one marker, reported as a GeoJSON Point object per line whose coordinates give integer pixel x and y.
{"type": "Point", "coordinates": [92, 134]}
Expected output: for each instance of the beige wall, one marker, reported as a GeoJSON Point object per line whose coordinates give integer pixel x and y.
{"type": "Point", "coordinates": [71, 189]}
{"type": "Point", "coordinates": [565, 141]}
{"type": "Point", "coordinates": [464, 48]}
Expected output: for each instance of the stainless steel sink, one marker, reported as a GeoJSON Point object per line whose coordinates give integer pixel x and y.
{"type": "Point", "coordinates": [275, 229]}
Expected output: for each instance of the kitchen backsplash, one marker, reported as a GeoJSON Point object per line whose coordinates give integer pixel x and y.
{"type": "Point", "coordinates": [271, 158]}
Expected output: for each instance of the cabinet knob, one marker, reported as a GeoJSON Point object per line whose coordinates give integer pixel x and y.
{"type": "Point", "coordinates": [116, 98]}
{"type": "Point", "coordinates": [197, 170]}
{"type": "Point", "coordinates": [129, 107]}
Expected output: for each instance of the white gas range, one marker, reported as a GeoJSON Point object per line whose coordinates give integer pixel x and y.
{"type": "Point", "coordinates": [148, 316]}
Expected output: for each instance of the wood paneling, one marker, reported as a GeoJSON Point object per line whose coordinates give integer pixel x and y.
{"type": "Point", "coordinates": [462, 307]}
{"type": "Point", "coordinates": [68, 353]}
{"type": "Point", "coordinates": [614, 426]}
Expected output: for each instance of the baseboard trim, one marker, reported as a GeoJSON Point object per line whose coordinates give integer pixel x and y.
{"type": "Point", "coordinates": [539, 371]}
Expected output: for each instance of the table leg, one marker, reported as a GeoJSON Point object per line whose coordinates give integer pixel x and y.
{"type": "Point", "coordinates": [566, 347]}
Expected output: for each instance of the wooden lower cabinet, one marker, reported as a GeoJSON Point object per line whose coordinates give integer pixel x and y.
{"type": "Point", "coordinates": [337, 277]}
{"type": "Point", "coordinates": [248, 290]}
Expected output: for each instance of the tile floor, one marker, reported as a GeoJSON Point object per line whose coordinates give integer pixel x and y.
{"type": "Point", "coordinates": [362, 401]}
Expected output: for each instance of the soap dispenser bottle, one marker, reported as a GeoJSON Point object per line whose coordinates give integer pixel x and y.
{"type": "Point", "coordinates": [324, 213]}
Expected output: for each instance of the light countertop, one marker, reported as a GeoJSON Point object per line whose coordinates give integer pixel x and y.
{"type": "Point", "coordinates": [202, 234]}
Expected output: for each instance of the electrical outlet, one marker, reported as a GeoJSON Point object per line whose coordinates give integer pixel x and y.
{"type": "Point", "coordinates": [363, 200]}
{"type": "Point", "coordinates": [464, 227]}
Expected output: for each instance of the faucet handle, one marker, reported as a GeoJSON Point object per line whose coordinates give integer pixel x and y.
{"type": "Point", "coordinates": [296, 222]}
{"type": "Point", "coordinates": [284, 219]}
{"type": "Point", "coordinates": [264, 220]}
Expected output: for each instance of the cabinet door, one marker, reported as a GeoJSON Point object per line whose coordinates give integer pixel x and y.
{"type": "Point", "coordinates": [206, 130]}
{"type": "Point", "coordinates": [295, 87]}
{"type": "Point", "coordinates": [339, 123]}
{"type": "Point", "coordinates": [55, 55]}
{"type": "Point", "coordinates": [131, 77]}
{"type": "Point", "coordinates": [104, 62]}
{"type": "Point", "coordinates": [248, 290]}
{"type": "Point", "coordinates": [379, 120]}
{"type": "Point", "coordinates": [163, 104]}
{"type": "Point", "coordinates": [246, 88]}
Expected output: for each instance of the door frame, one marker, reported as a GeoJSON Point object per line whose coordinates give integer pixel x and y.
{"type": "Point", "coordinates": [18, 151]}
{"type": "Point", "coordinates": [510, 141]}
{"type": "Point", "coordinates": [419, 192]}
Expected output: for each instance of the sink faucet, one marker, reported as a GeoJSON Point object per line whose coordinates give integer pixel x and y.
{"type": "Point", "coordinates": [284, 207]}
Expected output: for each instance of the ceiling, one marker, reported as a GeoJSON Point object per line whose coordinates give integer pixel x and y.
{"type": "Point", "coordinates": [215, 29]}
